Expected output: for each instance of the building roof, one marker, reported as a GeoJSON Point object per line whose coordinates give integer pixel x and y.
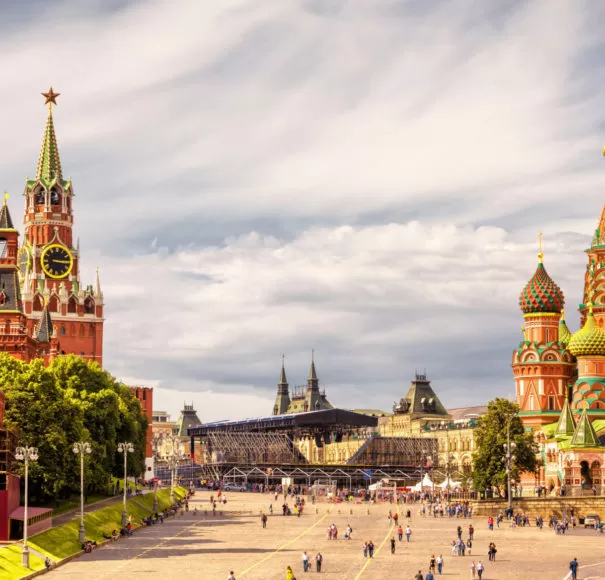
{"type": "Point", "coordinates": [6, 222]}
{"type": "Point", "coordinates": [566, 424]}
{"type": "Point", "coordinates": [45, 328]}
{"type": "Point", "coordinates": [327, 418]}
{"type": "Point", "coordinates": [187, 418]}
{"type": "Point", "coordinates": [32, 512]}
{"type": "Point", "coordinates": [584, 435]}
{"type": "Point", "coordinates": [421, 400]}
{"type": "Point", "coordinates": [462, 413]}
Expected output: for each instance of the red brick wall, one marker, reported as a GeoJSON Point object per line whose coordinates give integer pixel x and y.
{"type": "Point", "coordinates": [145, 396]}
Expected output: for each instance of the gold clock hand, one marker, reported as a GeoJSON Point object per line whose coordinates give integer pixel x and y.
{"type": "Point", "coordinates": [61, 261]}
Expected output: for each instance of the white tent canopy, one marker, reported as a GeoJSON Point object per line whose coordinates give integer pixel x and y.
{"type": "Point", "coordinates": [448, 482]}
{"type": "Point", "coordinates": [426, 482]}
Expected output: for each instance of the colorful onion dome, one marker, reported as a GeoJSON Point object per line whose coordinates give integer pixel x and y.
{"type": "Point", "coordinates": [590, 340]}
{"type": "Point", "coordinates": [564, 333]}
{"type": "Point", "coordinates": [541, 293]}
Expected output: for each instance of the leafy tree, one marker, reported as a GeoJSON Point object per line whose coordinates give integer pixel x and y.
{"type": "Point", "coordinates": [71, 400]}
{"type": "Point", "coordinates": [489, 458]}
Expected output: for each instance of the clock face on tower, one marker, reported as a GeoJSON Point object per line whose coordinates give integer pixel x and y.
{"type": "Point", "coordinates": [24, 261]}
{"type": "Point", "coordinates": [56, 261]}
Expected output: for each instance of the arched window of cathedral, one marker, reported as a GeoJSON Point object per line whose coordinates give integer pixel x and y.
{"type": "Point", "coordinates": [55, 197]}
{"type": "Point", "coordinates": [53, 303]}
{"type": "Point", "coordinates": [89, 306]}
{"type": "Point", "coordinates": [37, 303]}
{"type": "Point", "coordinates": [72, 305]}
{"type": "Point", "coordinates": [62, 331]}
{"type": "Point", "coordinates": [40, 196]}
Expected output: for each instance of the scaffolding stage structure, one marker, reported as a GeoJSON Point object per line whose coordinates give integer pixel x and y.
{"type": "Point", "coordinates": [264, 449]}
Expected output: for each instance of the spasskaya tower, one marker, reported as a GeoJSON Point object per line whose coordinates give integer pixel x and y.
{"type": "Point", "coordinates": [49, 260]}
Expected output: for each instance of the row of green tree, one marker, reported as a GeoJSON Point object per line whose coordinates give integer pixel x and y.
{"type": "Point", "coordinates": [71, 400]}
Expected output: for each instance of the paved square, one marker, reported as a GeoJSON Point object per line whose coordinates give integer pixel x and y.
{"type": "Point", "coordinates": [206, 547]}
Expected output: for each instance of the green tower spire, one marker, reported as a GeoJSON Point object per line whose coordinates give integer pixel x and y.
{"type": "Point", "coordinates": [49, 164]}
{"type": "Point", "coordinates": [584, 435]}
{"type": "Point", "coordinates": [566, 424]}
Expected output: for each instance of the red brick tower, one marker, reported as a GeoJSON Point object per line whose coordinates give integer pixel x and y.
{"type": "Point", "coordinates": [542, 366]}
{"type": "Point", "coordinates": [49, 261]}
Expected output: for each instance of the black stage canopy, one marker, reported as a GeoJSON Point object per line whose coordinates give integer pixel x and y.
{"type": "Point", "coordinates": [327, 418]}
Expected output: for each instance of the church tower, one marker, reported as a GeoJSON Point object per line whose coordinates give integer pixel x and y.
{"type": "Point", "coordinates": [49, 260]}
{"type": "Point", "coordinates": [594, 279]}
{"type": "Point", "coordinates": [542, 366]}
{"type": "Point", "coordinates": [282, 402]}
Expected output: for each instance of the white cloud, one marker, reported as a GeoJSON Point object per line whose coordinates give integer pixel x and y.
{"type": "Point", "coordinates": [395, 159]}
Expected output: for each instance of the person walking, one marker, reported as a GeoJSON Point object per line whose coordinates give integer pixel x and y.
{"type": "Point", "coordinates": [469, 546]}
{"type": "Point", "coordinates": [408, 533]}
{"type": "Point", "coordinates": [305, 559]}
{"type": "Point", "coordinates": [365, 549]}
{"type": "Point", "coordinates": [289, 573]}
{"type": "Point", "coordinates": [440, 565]}
{"type": "Point", "coordinates": [318, 560]}
{"type": "Point", "coordinates": [231, 576]}
{"type": "Point", "coordinates": [432, 563]}
{"type": "Point", "coordinates": [263, 519]}
{"type": "Point", "coordinates": [400, 532]}
{"type": "Point", "coordinates": [429, 576]}
{"type": "Point", "coordinates": [479, 569]}
{"type": "Point", "coordinates": [371, 548]}
{"type": "Point", "coordinates": [393, 545]}
{"type": "Point", "coordinates": [473, 567]}
{"type": "Point", "coordinates": [573, 566]}
{"type": "Point", "coordinates": [419, 576]}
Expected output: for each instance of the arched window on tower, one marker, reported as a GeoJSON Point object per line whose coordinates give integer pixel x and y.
{"type": "Point", "coordinates": [55, 197]}
{"type": "Point", "coordinates": [37, 303]}
{"type": "Point", "coordinates": [3, 246]}
{"type": "Point", "coordinates": [89, 306]}
{"type": "Point", "coordinates": [53, 304]}
{"type": "Point", "coordinates": [72, 305]}
{"type": "Point", "coordinates": [39, 196]}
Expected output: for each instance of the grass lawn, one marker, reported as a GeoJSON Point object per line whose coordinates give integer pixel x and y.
{"type": "Point", "coordinates": [62, 541]}
{"type": "Point", "coordinates": [10, 563]}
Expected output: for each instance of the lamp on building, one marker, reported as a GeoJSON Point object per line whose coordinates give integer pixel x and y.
{"type": "Point", "coordinates": [82, 448]}
{"type": "Point", "coordinates": [26, 454]}
{"type": "Point", "coordinates": [126, 447]}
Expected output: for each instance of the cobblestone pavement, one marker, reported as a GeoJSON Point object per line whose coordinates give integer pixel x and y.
{"type": "Point", "coordinates": [207, 548]}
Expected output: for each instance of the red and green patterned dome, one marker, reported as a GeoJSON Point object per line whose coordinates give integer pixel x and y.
{"type": "Point", "coordinates": [541, 294]}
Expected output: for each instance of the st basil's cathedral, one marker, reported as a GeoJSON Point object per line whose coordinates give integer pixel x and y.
{"type": "Point", "coordinates": [560, 377]}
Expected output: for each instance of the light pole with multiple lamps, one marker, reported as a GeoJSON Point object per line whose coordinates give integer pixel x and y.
{"type": "Point", "coordinates": [26, 454]}
{"type": "Point", "coordinates": [169, 451]}
{"type": "Point", "coordinates": [82, 448]}
{"type": "Point", "coordinates": [509, 459]}
{"type": "Point", "coordinates": [126, 447]}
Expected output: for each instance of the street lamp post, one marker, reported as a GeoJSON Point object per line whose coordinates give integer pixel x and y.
{"type": "Point", "coordinates": [26, 454]}
{"type": "Point", "coordinates": [126, 447]}
{"type": "Point", "coordinates": [509, 458]}
{"type": "Point", "coordinates": [82, 448]}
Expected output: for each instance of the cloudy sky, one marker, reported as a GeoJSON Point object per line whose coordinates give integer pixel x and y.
{"type": "Point", "coordinates": [366, 179]}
